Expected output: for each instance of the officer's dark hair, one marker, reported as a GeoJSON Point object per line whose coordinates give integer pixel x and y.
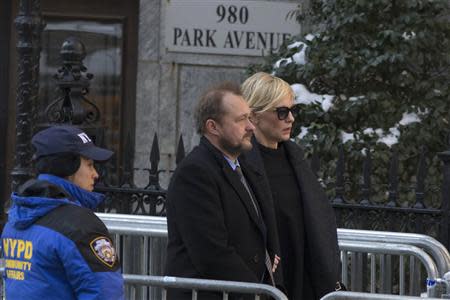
{"type": "Point", "coordinates": [210, 104]}
{"type": "Point", "coordinates": [59, 164]}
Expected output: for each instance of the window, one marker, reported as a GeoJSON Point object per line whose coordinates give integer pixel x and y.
{"type": "Point", "coordinates": [109, 31]}
{"type": "Point", "coordinates": [103, 42]}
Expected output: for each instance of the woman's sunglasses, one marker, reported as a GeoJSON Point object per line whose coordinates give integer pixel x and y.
{"type": "Point", "coordinates": [283, 112]}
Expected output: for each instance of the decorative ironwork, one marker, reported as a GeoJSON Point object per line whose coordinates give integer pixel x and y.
{"type": "Point", "coordinates": [126, 197]}
{"type": "Point", "coordinates": [153, 173]}
{"type": "Point", "coordinates": [340, 169]}
{"type": "Point", "coordinates": [393, 180]}
{"type": "Point", "coordinates": [420, 184]}
{"type": "Point", "coordinates": [419, 218]}
{"type": "Point", "coordinates": [72, 80]}
{"type": "Point", "coordinates": [444, 234]}
{"type": "Point", "coordinates": [29, 26]}
{"type": "Point", "coordinates": [364, 214]}
{"type": "Point", "coordinates": [367, 171]}
{"type": "Point", "coordinates": [180, 150]}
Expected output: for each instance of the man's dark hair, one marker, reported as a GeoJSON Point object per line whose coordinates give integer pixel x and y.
{"type": "Point", "coordinates": [210, 104]}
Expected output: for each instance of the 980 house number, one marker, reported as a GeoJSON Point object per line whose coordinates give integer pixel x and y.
{"type": "Point", "coordinates": [232, 14]}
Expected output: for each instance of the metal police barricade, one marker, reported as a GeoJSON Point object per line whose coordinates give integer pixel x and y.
{"type": "Point", "coordinates": [434, 248]}
{"type": "Point", "coordinates": [196, 285]}
{"type": "Point", "coordinates": [367, 296]}
{"type": "Point", "coordinates": [386, 283]}
{"type": "Point", "coordinates": [371, 249]}
{"type": "Point", "coordinates": [141, 243]}
{"type": "Point", "coordinates": [152, 233]}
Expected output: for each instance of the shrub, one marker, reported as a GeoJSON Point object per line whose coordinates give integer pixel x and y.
{"type": "Point", "coordinates": [373, 76]}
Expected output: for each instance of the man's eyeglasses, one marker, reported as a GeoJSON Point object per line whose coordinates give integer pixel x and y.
{"type": "Point", "coordinates": [283, 112]}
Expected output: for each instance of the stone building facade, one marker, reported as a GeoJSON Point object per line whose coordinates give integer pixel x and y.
{"type": "Point", "coordinates": [170, 83]}
{"type": "Point", "coordinates": [149, 90]}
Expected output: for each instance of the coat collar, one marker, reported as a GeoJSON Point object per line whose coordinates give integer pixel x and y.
{"type": "Point", "coordinates": [254, 158]}
{"type": "Point", "coordinates": [217, 154]}
{"type": "Point", "coordinates": [295, 153]}
{"type": "Point", "coordinates": [249, 163]}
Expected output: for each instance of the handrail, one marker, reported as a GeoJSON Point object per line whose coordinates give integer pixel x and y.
{"type": "Point", "coordinates": [205, 285]}
{"type": "Point", "coordinates": [368, 296]}
{"type": "Point", "coordinates": [392, 248]}
{"type": "Point", "coordinates": [425, 248]}
{"type": "Point", "coordinates": [431, 245]}
{"type": "Point", "coordinates": [135, 224]}
{"type": "Point", "coordinates": [157, 227]}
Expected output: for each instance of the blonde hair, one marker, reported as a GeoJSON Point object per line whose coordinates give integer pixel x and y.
{"type": "Point", "coordinates": [263, 91]}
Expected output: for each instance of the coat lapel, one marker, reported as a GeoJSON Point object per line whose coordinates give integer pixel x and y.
{"type": "Point", "coordinates": [235, 182]}
{"type": "Point", "coordinates": [257, 181]}
{"type": "Point", "coordinates": [237, 185]}
{"type": "Point", "coordinates": [296, 156]}
{"type": "Point", "coordinates": [254, 160]}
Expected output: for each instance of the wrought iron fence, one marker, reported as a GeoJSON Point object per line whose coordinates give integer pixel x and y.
{"type": "Point", "coordinates": [426, 217]}
{"type": "Point", "coordinates": [123, 196]}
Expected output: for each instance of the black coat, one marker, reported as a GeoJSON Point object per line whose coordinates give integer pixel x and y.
{"type": "Point", "coordinates": [323, 262]}
{"type": "Point", "coordinates": [213, 229]}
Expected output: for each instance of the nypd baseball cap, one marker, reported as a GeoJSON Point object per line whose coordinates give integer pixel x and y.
{"type": "Point", "coordinates": [67, 139]}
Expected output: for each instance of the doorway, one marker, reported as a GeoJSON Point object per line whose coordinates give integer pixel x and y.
{"type": "Point", "coordinates": [109, 31]}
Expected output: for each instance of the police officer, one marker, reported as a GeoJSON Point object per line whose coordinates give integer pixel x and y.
{"type": "Point", "coordinates": [54, 246]}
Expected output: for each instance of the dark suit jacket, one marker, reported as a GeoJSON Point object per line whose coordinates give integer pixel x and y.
{"type": "Point", "coordinates": [213, 229]}
{"type": "Point", "coordinates": [323, 261]}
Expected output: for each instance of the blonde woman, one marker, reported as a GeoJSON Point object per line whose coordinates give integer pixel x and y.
{"type": "Point", "coordinates": [305, 218]}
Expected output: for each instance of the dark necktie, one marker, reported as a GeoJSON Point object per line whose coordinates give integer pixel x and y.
{"type": "Point", "coordinates": [267, 261]}
{"type": "Point", "coordinates": [249, 191]}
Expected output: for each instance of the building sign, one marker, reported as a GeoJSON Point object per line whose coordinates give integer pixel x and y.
{"type": "Point", "coordinates": [228, 27]}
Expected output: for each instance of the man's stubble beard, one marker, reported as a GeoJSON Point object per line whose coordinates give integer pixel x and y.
{"type": "Point", "coordinates": [236, 150]}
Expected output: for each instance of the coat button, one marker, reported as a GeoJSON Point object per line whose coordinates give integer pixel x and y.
{"type": "Point", "coordinates": [256, 258]}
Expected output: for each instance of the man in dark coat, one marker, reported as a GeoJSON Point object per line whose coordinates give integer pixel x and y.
{"type": "Point", "coordinates": [221, 226]}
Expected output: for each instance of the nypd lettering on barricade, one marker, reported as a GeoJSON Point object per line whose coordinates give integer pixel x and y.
{"type": "Point", "coordinates": [228, 27]}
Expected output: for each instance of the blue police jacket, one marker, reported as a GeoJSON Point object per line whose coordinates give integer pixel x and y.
{"type": "Point", "coordinates": [55, 247]}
